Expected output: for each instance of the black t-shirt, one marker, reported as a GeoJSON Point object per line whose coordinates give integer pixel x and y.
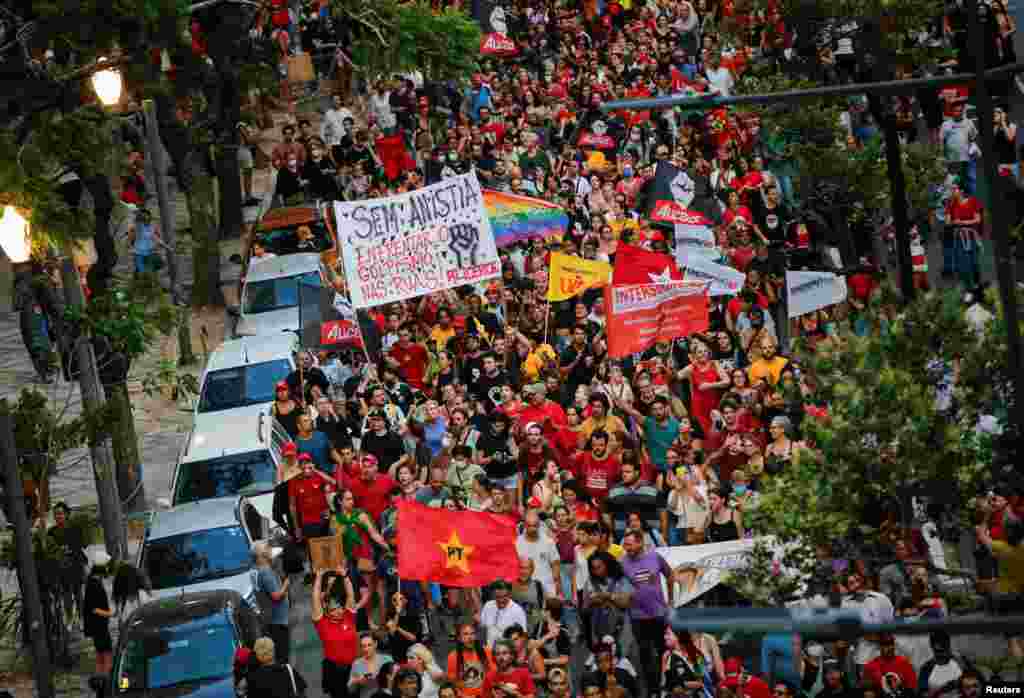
{"type": "Point", "coordinates": [311, 377]}
{"type": "Point", "coordinates": [481, 387]}
{"type": "Point", "coordinates": [387, 448]}
{"type": "Point", "coordinates": [340, 432]}
{"type": "Point", "coordinates": [273, 681]}
{"type": "Point", "coordinates": [95, 597]}
{"type": "Point", "coordinates": [773, 222]}
{"type": "Point", "coordinates": [502, 463]}
{"type": "Point", "coordinates": [581, 373]}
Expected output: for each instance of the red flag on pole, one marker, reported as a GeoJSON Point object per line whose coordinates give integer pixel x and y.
{"type": "Point", "coordinates": [457, 549]}
{"type": "Point", "coordinates": [640, 315]}
{"type": "Point", "coordinates": [635, 265]}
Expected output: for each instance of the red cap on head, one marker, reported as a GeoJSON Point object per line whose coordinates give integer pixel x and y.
{"type": "Point", "coordinates": [282, 385]}
{"type": "Point", "coordinates": [303, 457]}
{"type": "Point", "coordinates": [289, 449]}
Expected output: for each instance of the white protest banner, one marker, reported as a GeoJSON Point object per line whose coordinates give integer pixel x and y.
{"type": "Point", "coordinates": [808, 291]}
{"type": "Point", "coordinates": [696, 569]}
{"type": "Point", "coordinates": [694, 240]}
{"type": "Point", "coordinates": [724, 281]}
{"type": "Point", "coordinates": [412, 244]}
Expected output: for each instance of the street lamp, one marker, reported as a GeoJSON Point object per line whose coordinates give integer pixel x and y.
{"type": "Point", "coordinates": [14, 236]}
{"type": "Point", "coordinates": [107, 84]}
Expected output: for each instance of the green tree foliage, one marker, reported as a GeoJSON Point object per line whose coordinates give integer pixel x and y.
{"type": "Point", "coordinates": [131, 316]}
{"type": "Point", "coordinates": [394, 37]}
{"type": "Point", "coordinates": [885, 433]}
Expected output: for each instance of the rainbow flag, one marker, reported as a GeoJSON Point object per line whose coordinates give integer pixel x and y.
{"type": "Point", "coordinates": [515, 218]}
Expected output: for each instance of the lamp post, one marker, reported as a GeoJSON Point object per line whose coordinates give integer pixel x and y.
{"type": "Point", "coordinates": [28, 575]}
{"type": "Point", "coordinates": [16, 243]}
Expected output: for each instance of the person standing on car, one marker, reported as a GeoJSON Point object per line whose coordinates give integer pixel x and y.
{"type": "Point", "coordinates": [268, 582]}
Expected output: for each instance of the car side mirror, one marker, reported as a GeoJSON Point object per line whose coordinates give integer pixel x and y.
{"type": "Point", "coordinates": [163, 502]}
{"type": "Point", "coordinates": [235, 259]}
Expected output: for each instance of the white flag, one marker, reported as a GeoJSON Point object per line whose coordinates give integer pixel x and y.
{"type": "Point", "coordinates": [808, 291]}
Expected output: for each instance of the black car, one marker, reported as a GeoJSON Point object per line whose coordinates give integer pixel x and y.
{"type": "Point", "coordinates": [182, 647]}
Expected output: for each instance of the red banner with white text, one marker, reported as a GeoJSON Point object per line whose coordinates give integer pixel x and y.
{"type": "Point", "coordinates": [642, 314]}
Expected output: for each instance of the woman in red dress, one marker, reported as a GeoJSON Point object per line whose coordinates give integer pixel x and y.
{"type": "Point", "coordinates": [707, 380]}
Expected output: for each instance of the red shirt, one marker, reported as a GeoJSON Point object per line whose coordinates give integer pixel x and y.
{"type": "Point", "coordinates": [735, 306]}
{"type": "Point", "coordinates": [597, 475]}
{"type": "Point", "coordinates": [952, 95]}
{"type": "Point", "coordinates": [373, 497]}
{"type": "Point", "coordinates": [339, 638]}
{"type": "Point", "coordinates": [497, 129]}
{"type": "Point", "coordinates": [537, 414]}
{"type": "Point", "coordinates": [565, 443]}
{"type": "Point", "coordinates": [518, 676]}
{"type": "Point", "coordinates": [901, 666]}
{"type": "Point", "coordinates": [753, 687]}
{"type": "Point", "coordinates": [861, 286]}
{"type": "Point", "coordinates": [964, 210]}
{"type": "Point", "coordinates": [309, 492]}
{"type": "Point", "coordinates": [741, 256]}
{"type": "Point", "coordinates": [412, 360]}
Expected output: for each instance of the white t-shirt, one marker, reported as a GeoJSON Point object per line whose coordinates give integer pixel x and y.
{"type": "Point", "coordinates": [721, 80]}
{"type": "Point", "coordinates": [543, 552]}
{"type": "Point", "coordinates": [496, 620]}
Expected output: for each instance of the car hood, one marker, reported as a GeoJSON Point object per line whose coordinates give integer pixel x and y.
{"type": "Point", "coordinates": [214, 688]}
{"type": "Point", "coordinates": [242, 583]}
{"type": "Point", "coordinates": [271, 322]}
{"type": "Point", "coordinates": [246, 411]}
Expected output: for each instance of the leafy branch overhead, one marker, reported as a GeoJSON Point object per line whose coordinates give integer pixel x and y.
{"type": "Point", "coordinates": [389, 36]}
{"type": "Point", "coordinates": [890, 430]}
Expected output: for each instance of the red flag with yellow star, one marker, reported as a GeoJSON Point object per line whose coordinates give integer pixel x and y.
{"type": "Point", "coordinates": [455, 548]}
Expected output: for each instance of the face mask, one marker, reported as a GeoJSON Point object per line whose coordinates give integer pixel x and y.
{"type": "Point", "coordinates": [634, 136]}
{"type": "Point", "coordinates": [739, 489]}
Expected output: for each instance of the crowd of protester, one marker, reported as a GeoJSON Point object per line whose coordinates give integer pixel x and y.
{"type": "Point", "coordinates": [492, 399]}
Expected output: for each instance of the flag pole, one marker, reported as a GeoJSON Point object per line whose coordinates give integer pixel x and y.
{"type": "Point", "coordinates": [547, 314]}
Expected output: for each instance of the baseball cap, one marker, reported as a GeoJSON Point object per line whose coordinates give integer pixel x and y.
{"type": "Point", "coordinates": [303, 457]}
{"type": "Point", "coordinates": [281, 385]}
{"type": "Point", "coordinates": [376, 414]}
{"type": "Point", "coordinates": [536, 389]}
{"type": "Point", "coordinates": [289, 449]}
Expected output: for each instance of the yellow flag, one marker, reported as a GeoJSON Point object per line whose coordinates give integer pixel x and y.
{"type": "Point", "coordinates": [570, 276]}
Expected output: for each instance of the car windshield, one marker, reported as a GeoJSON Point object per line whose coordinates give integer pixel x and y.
{"type": "Point", "coordinates": [195, 650]}
{"type": "Point", "coordinates": [242, 386]}
{"type": "Point", "coordinates": [276, 294]}
{"type": "Point", "coordinates": [242, 473]}
{"type": "Point", "coordinates": [282, 240]}
{"type": "Point", "coordinates": [190, 558]}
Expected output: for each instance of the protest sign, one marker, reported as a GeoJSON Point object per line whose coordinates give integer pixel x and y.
{"type": "Point", "coordinates": [325, 553]}
{"type": "Point", "coordinates": [694, 241]}
{"type": "Point", "coordinates": [808, 291]}
{"type": "Point", "coordinates": [571, 276]}
{"type": "Point", "coordinates": [326, 318]}
{"type": "Point", "coordinates": [412, 244]}
{"type": "Point", "coordinates": [696, 569]}
{"type": "Point", "coordinates": [723, 280]}
{"type": "Point", "coordinates": [640, 315]}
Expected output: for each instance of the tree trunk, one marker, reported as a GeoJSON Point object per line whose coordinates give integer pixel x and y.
{"type": "Point", "coordinates": [205, 246]}
{"type": "Point", "coordinates": [186, 357]}
{"type": "Point", "coordinates": [126, 449]}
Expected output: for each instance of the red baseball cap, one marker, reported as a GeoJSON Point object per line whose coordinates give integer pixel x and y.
{"type": "Point", "coordinates": [289, 449]}
{"type": "Point", "coordinates": [281, 384]}
{"type": "Point", "coordinates": [304, 457]}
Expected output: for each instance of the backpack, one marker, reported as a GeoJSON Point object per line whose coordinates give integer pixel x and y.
{"type": "Point", "coordinates": [264, 604]}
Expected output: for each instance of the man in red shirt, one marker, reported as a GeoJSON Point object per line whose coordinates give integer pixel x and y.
{"type": "Point", "coordinates": [889, 671]}
{"type": "Point", "coordinates": [740, 682]}
{"type": "Point", "coordinates": [409, 358]}
{"type": "Point", "coordinates": [373, 490]}
{"type": "Point", "coordinates": [597, 469]}
{"type": "Point", "coordinates": [515, 682]}
{"type": "Point", "coordinates": [307, 498]}
{"type": "Point", "coordinates": [544, 412]}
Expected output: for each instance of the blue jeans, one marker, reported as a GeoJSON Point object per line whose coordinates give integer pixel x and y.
{"type": "Point", "coordinates": [676, 536]}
